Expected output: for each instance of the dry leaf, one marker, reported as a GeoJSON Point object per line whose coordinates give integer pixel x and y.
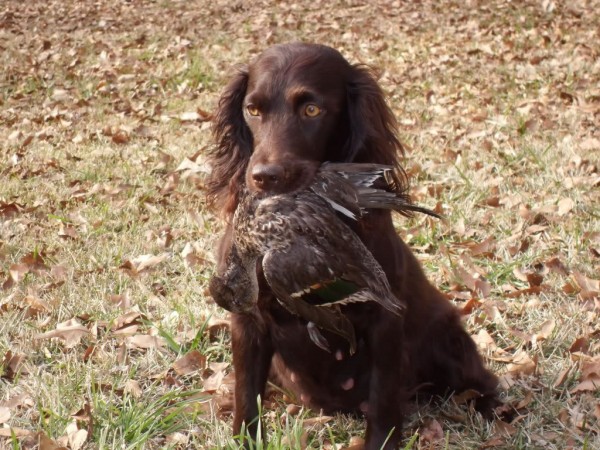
{"type": "Point", "coordinates": [4, 414]}
{"type": "Point", "coordinates": [35, 306]}
{"type": "Point", "coordinates": [502, 428]}
{"type": "Point", "coordinates": [546, 330]}
{"type": "Point", "coordinates": [145, 341]}
{"type": "Point", "coordinates": [590, 376]}
{"type": "Point", "coordinates": [213, 382]}
{"type": "Point", "coordinates": [189, 363]}
{"type": "Point", "coordinates": [556, 265]}
{"type": "Point", "coordinates": [70, 331]}
{"type": "Point", "coordinates": [18, 432]}
{"type": "Point", "coordinates": [589, 288]}
{"type": "Point", "coordinates": [580, 345]}
{"type": "Point", "coordinates": [11, 365]}
{"type": "Point", "coordinates": [525, 402]}
{"type": "Point", "coordinates": [521, 364]}
{"type": "Point", "coordinates": [190, 116]}
{"type": "Point", "coordinates": [77, 439]}
{"type": "Point", "coordinates": [565, 206]}
{"type": "Point", "coordinates": [320, 420]}
{"type": "Point", "coordinates": [486, 247]}
{"type": "Point", "coordinates": [430, 433]}
{"type": "Point", "coordinates": [562, 377]}
{"type": "Point", "coordinates": [133, 317]}
{"type": "Point", "coordinates": [133, 388]}
{"type": "Point", "coordinates": [217, 326]}
{"type": "Point", "coordinates": [484, 341]}
{"type": "Point", "coordinates": [177, 440]}
{"type": "Point", "coordinates": [45, 443]}
{"type": "Point", "coordinates": [146, 261]}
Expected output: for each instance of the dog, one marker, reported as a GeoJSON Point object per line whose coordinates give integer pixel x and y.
{"type": "Point", "coordinates": [294, 107]}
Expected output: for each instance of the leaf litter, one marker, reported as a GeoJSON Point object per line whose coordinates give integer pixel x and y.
{"type": "Point", "coordinates": [105, 242]}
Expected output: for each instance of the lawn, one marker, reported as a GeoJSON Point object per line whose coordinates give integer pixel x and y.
{"type": "Point", "coordinates": [108, 337]}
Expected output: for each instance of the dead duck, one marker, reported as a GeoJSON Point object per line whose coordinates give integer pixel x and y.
{"type": "Point", "coordinates": [312, 260]}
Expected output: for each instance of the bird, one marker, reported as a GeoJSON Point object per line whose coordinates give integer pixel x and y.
{"type": "Point", "coordinates": [311, 258]}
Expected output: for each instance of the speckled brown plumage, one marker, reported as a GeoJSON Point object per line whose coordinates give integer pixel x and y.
{"type": "Point", "coordinates": [311, 259]}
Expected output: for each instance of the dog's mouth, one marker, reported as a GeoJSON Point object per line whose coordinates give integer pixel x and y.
{"type": "Point", "coordinates": [289, 177]}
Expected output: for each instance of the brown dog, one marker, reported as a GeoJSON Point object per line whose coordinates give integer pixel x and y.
{"type": "Point", "coordinates": [295, 106]}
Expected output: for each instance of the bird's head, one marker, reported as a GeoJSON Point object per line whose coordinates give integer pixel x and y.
{"type": "Point", "coordinates": [236, 289]}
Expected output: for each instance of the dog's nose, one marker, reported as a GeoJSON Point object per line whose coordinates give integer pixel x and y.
{"type": "Point", "coordinates": [267, 177]}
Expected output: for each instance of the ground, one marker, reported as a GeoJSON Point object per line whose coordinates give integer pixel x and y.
{"type": "Point", "coordinates": [108, 337]}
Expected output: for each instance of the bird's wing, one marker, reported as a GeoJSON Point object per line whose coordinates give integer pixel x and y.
{"type": "Point", "coordinates": [375, 187]}
{"type": "Point", "coordinates": [338, 192]}
{"type": "Point", "coordinates": [380, 176]}
{"type": "Point", "coordinates": [370, 198]}
{"type": "Point", "coordinates": [326, 263]}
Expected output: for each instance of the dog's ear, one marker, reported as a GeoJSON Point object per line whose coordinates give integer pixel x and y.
{"type": "Point", "coordinates": [229, 158]}
{"type": "Point", "coordinates": [372, 123]}
{"type": "Point", "coordinates": [373, 127]}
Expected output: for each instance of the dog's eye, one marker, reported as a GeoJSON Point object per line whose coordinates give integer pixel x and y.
{"type": "Point", "coordinates": [312, 110]}
{"type": "Point", "coordinates": [253, 110]}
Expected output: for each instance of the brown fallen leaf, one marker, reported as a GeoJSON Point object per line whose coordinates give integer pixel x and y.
{"type": "Point", "coordinates": [11, 365]}
{"type": "Point", "coordinates": [473, 282]}
{"type": "Point", "coordinates": [9, 210]}
{"type": "Point", "coordinates": [18, 271]}
{"type": "Point", "coordinates": [35, 306]}
{"type": "Point", "coordinates": [133, 388]}
{"type": "Point", "coordinates": [70, 331]}
{"type": "Point", "coordinates": [590, 288]}
{"type": "Point", "coordinates": [145, 341]}
{"type": "Point", "coordinates": [581, 345]}
{"type": "Point", "coordinates": [4, 414]}
{"type": "Point", "coordinates": [485, 341]}
{"type": "Point", "coordinates": [213, 382]}
{"type": "Point", "coordinates": [18, 432]}
{"type": "Point", "coordinates": [590, 376]}
{"type": "Point", "coordinates": [484, 248]}
{"type": "Point", "coordinates": [562, 377]}
{"type": "Point", "coordinates": [521, 364]}
{"type": "Point", "coordinates": [35, 262]}
{"type": "Point", "coordinates": [217, 326]}
{"type": "Point", "coordinates": [525, 402]}
{"type": "Point", "coordinates": [565, 206]}
{"type": "Point", "coordinates": [121, 300]}
{"type": "Point", "coordinates": [502, 428]}
{"type": "Point", "coordinates": [546, 330]}
{"type": "Point", "coordinates": [556, 265]}
{"type": "Point", "coordinates": [430, 433]}
{"type": "Point", "coordinates": [192, 257]}
{"type": "Point", "coordinates": [45, 443]}
{"type": "Point", "coordinates": [189, 363]}
{"type": "Point", "coordinates": [134, 317]}
{"type": "Point", "coordinates": [120, 137]}
{"type": "Point", "coordinates": [356, 443]}
{"type": "Point", "coordinates": [143, 262]}
{"type": "Point", "coordinates": [77, 439]}
{"type": "Point", "coordinates": [319, 420]}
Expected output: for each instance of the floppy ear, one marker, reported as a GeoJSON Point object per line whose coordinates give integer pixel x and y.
{"type": "Point", "coordinates": [372, 123]}
{"type": "Point", "coordinates": [372, 136]}
{"type": "Point", "coordinates": [233, 138]}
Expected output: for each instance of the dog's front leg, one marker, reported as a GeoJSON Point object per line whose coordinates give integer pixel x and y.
{"type": "Point", "coordinates": [387, 392]}
{"type": "Point", "coordinates": [252, 354]}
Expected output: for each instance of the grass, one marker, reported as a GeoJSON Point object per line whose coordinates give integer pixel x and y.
{"type": "Point", "coordinates": [496, 100]}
